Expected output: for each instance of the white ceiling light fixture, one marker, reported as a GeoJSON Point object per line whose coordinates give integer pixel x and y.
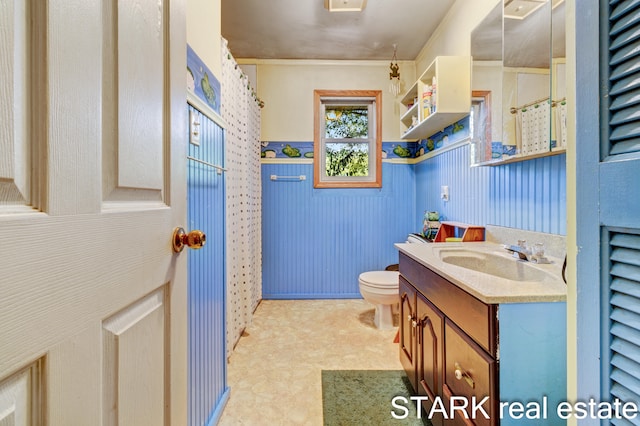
{"type": "Point", "coordinates": [345, 5]}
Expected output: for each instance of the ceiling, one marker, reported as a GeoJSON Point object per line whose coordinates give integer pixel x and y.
{"type": "Point", "coordinates": [304, 29]}
{"type": "Point", "coordinates": [526, 42]}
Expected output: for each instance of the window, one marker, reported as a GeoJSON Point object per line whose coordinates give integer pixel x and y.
{"type": "Point", "coordinates": [480, 126]}
{"type": "Point", "coordinates": [347, 147]}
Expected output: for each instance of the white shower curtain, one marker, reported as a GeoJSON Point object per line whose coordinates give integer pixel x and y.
{"type": "Point", "coordinates": [533, 128]}
{"type": "Point", "coordinates": [240, 111]}
{"type": "Point", "coordinates": [560, 116]}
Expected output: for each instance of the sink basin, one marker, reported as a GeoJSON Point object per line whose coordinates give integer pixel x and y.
{"type": "Point", "coordinates": [493, 264]}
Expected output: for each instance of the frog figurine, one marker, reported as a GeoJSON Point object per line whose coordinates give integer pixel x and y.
{"type": "Point", "coordinates": [430, 224]}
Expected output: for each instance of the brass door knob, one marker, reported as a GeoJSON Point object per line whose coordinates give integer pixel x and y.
{"type": "Point", "coordinates": [194, 239]}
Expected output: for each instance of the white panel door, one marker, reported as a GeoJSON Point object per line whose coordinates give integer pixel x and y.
{"type": "Point", "coordinates": [93, 325]}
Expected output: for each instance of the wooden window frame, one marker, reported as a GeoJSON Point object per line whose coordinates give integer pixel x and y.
{"type": "Point", "coordinates": [318, 145]}
{"type": "Point", "coordinates": [484, 97]}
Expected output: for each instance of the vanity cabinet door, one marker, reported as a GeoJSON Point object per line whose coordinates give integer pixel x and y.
{"type": "Point", "coordinates": [475, 317]}
{"type": "Point", "coordinates": [430, 354]}
{"type": "Point", "coordinates": [408, 322]}
{"type": "Point", "coordinates": [470, 373]}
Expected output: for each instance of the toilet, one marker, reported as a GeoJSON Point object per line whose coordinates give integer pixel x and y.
{"type": "Point", "coordinates": [380, 288]}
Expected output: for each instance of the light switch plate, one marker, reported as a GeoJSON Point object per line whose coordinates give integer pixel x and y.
{"type": "Point", "coordinates": [194, 128]}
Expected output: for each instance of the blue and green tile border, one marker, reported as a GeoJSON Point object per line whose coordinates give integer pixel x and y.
{"type": "Point", "coordinates": [402, 151]}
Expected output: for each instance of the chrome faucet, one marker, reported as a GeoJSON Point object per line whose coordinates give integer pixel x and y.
{"type": "Point", "coordinates": [522, 252]}
{"type": "Point", "coordinates": [519, 251]}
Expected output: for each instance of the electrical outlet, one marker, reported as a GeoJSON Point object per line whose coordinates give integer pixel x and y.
{"type": "Point", "coordinates": [444, 192]}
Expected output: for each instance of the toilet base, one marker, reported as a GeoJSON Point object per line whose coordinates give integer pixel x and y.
{"type": "Point", "coordinates": [383, 317]}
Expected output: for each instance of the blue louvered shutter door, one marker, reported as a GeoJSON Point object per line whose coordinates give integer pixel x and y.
{"type": "Point", "coordinates": [624, 77]}
{"type": "Point", "coordinates": [625, 316]}
{"type": "Point", "coordinates": [620, 202]}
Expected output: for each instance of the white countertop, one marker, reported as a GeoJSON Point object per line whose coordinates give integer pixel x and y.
{"type": "Point", "coordinates": [489, 288]}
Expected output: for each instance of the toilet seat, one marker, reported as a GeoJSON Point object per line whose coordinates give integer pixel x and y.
{"type": "Point", "coordinates": [380, 279]}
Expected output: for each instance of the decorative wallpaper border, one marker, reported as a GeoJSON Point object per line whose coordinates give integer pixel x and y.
{"type": "Point", "coordinates": [287, 150]}
{"type": "Point", "coordinates": [302, 152]}
{"type": "Point", "coordinates": [448, 136]}
{"type": "Point", "coordinates": [202, 82]}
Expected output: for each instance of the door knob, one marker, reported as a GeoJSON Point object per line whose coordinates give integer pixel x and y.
{"type": "Point", "coordinates": [194, 239]}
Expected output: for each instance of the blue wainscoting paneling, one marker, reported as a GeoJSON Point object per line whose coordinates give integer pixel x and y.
{"type": "Point", "coordinates": [468, 188]}
{"type": "Point", "coordinates": [208, 389]}
{"type": "Point", "coordinates": [529, 195]}
{"type": "Point", "coordinates": [317, 241]}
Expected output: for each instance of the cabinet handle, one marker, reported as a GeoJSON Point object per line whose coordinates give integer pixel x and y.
{"type": "Point", "coordinates": [461, 374]}
{"type": "Point", "coordinates": [412, 320]}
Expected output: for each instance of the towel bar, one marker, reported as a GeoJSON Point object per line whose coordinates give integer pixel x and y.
{"type": "Point", "coordinates": [219, 169]}
{"type": "Point", "coordinates": [276, 177]}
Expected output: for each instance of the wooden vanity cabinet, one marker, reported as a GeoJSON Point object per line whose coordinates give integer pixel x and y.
{"type": "Point", "coordinates": [448, 342]}
{"type": "Point", "coordinates": [469, 372]}
{"type": "Point", "coordinates": [407, 330]}
{"type": "Point", "coordinates": [421, 338]}
{"type": "Point", "coordinates": [450, 349]}
{"type": "Point", "coordinates": [430, 349]}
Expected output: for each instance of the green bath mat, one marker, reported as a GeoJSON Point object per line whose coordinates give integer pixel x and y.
{"type": "Point", "coordinates": [363, 397]}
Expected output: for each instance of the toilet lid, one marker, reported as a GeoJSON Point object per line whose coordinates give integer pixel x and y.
{"type": "Point", "coordinates": [382, 279]}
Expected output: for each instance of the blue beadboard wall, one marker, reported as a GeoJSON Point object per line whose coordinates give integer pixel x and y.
{"type": "Point", "coordinates": [317, 241]}
{"type": "Point", "coordinates": [468, 188]}
{"type": "Point", "coordinates": [208, 388]}
{"type": "Point", "coordinates": [528, 195]}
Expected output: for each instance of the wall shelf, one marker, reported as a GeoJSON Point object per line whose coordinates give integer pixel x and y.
{"type": "Point", "coordinates": [518, 157]}
{"type": "Point", "coordinates": [433, 124]}
{"type": "Point", "coordinates": [452, 97]}
{"type": "Point", "coordinates": [407, 118]}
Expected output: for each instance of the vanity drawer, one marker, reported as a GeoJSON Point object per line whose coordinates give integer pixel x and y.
{"type": "Point", "coordinates": [469, 372]}
{"type": "Point", "coordinates": [475, 317]}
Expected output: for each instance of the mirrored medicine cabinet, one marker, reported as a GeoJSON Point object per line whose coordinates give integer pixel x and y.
{"type": "Point", "coordinates": [518, 109]}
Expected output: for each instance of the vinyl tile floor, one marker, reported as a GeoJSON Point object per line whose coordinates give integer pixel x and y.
{"type": "Point", "coordinates": [274, 372]}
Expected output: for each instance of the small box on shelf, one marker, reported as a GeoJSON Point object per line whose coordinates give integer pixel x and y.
{"type": "Point", "coordinates": [449, 230]}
